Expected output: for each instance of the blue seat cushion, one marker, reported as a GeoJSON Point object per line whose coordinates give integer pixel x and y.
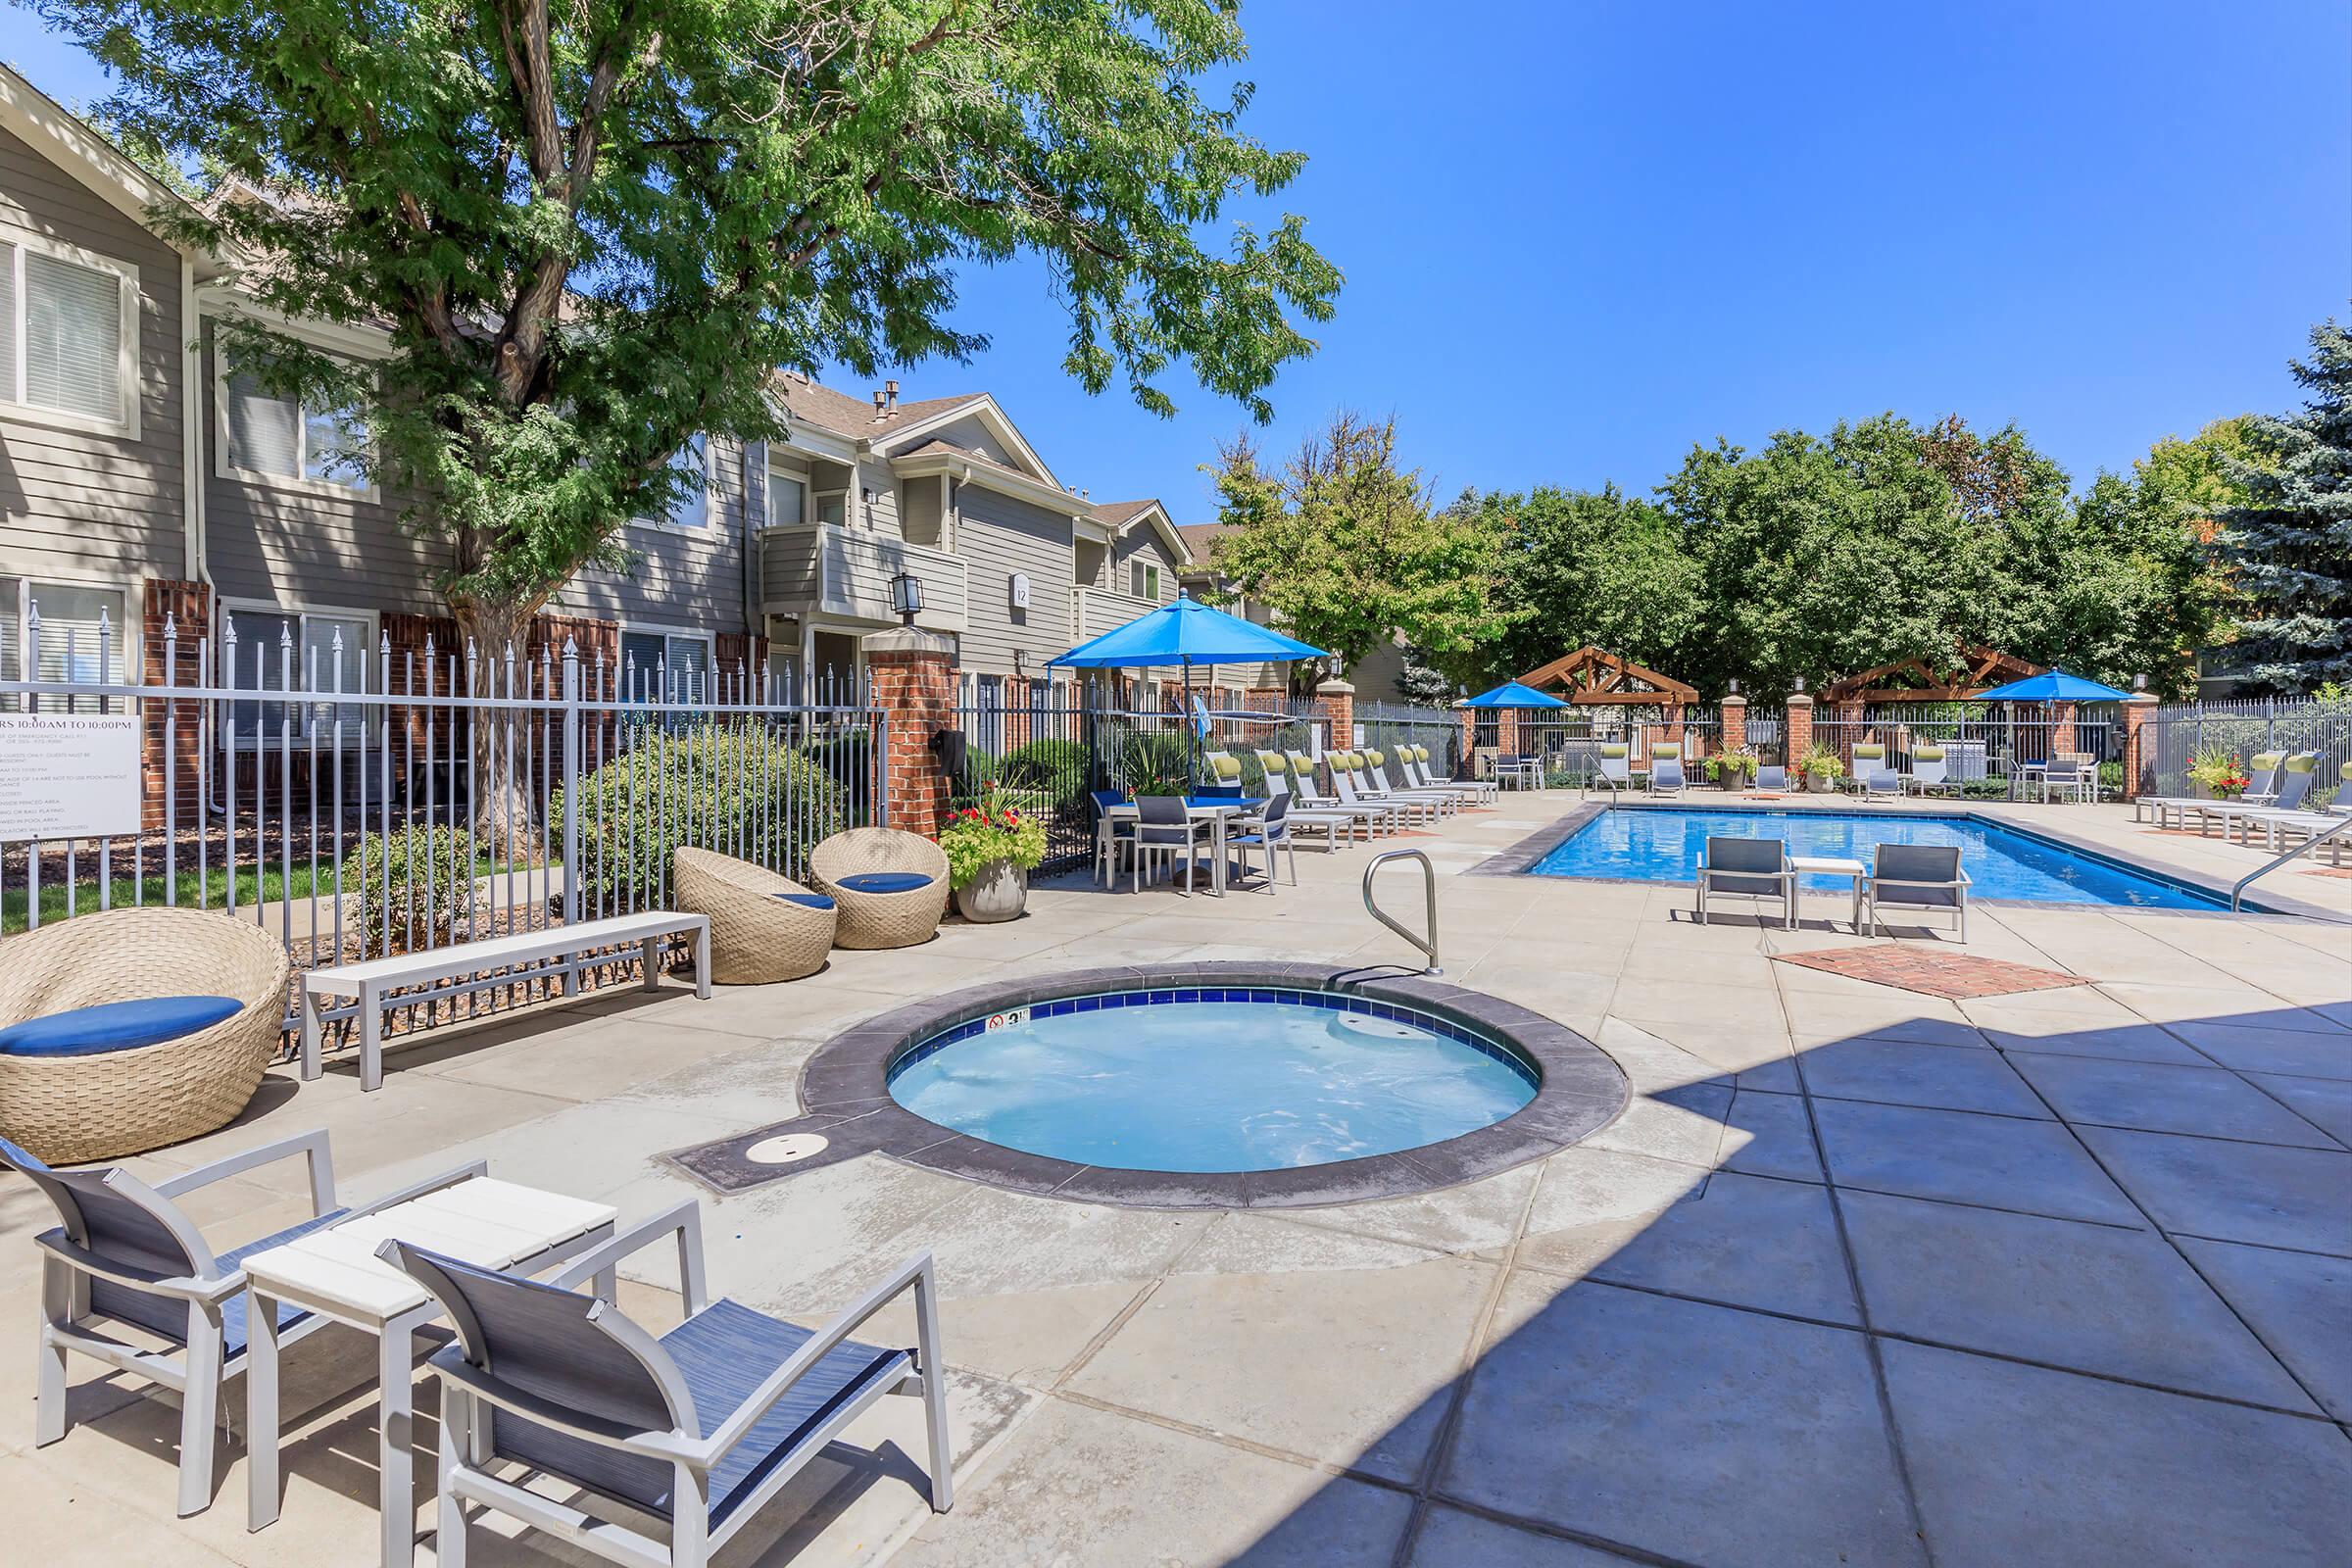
{"type": "Point", "coordinates": [883, 882]}
{"type": "Point", "coordinates": [116, 1026]}
{"type": "Point", "coordinates": [810, 900]}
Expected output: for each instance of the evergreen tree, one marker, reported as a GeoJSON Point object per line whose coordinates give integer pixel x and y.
{"type": "Point", "coordinates": [2289, 546]}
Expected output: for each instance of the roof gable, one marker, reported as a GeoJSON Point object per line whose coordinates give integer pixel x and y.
{"type": "Point", "coordinates": [72, 145]}
{"type": "Point", "coordinates": [1591, 676]}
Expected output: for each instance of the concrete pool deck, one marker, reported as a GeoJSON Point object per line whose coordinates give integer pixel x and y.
{"type": "Point", "coordinates": [1861, 1274]}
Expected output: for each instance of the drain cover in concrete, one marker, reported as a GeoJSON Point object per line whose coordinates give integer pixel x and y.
{"type": "Point", "coordinates": [1952, 975]}
{"type": "Point", "coordinates": [789, 1149]}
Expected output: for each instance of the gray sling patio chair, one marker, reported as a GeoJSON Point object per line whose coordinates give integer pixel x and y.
{"type": "Point", "coordinates": [125, 1253]}
{"type": "Point", "coordinates": [1163, 831]}
{"type": "Point", "coordinates": [1666, 770]}
{"type": "Point", "coordinates": [1747, 868]}
{"type": "Point", "coordinates": [1771, 778]}
{"type": "Point", "coordinates": [1923, 878]}
{"type": "Point", "coordinates": [696, 1429]}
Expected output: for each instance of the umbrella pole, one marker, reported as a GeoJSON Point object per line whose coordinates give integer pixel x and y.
{"type": "Point", "coordinates": [1190, 775]}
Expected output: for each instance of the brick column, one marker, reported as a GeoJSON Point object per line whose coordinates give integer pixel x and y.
{"type": "Point", "coordinates": [1335, 700]}
{"type": "Point", "coordinates": [1468, 763]}
{"type": "Point", "coordinates": [1734, 723]}
{"type": "Point", "coordinates": [1799, 734]}
{"type": "Point", "coordinates": [186, 607]}
{"type": "Point", "coordinates": [912, 677]}
{"type": "Point", "coordinates": [1506, 732]}
{"type": "Point", "coordinates": [2139, 767]}
{"type": "Point", "coordinates": [2062, 728]}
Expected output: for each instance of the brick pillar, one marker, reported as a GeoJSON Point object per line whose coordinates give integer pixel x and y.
{"type": "Point", "coordinates": [1734, 723]}
{"type": "Point", "coordinates": [1799, 734]}
{"type": "Point", "coordinates": [912, 677]}
{"type": "Point", "coordinates": [1335, 702]}
{"type": "Point", "coordinates": [186, 607]}
{"type": "Point", "coordinates": [2140, 766]}
{"type": "Point", "coordinates": [2062, 729]}
{"type": "Point", "coordinates": [1506, 732]}
{"type": "Point", "coordinates": [1467, 765]}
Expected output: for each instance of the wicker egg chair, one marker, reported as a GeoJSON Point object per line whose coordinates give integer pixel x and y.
{"type": "Point", "coordinates": [71, 1109]}
{"type": "Point", "coordinates": [882, 919]}
{"type": "Point", "coordinates": [758, 935]}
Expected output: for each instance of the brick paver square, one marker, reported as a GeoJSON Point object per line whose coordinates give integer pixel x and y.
{"type": "Point", "coordinates": [1954, 977]}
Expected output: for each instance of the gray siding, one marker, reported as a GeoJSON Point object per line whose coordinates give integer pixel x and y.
{"type": "Point", "coordinates": [74, 504]}
{"type": "Point", "coordinates": [682, 577]}
{"type": "Point", "coordinates": [1142, 540]}
{"type": "Point", "coordinates": [999, 535]}
{"type": "Point", "coordinates": [298, 547]}
{"type": "Point", "coordinates": [973, 435]}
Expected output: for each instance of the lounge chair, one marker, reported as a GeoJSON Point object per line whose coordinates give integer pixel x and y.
{"type": "Point", "coordinates": [125, 1030]}
{"type": "Point", "coordinates": [1270, 832]}
{"type": "Point", "coordinates": [1349, 776]}
{"type": "Point", "coordinates": [2261, 787]}
{"type": "Point", "coordinates": [1616, 768]}
{"type": "Point", "coordinates": [764, 927]}
{"type": "Point", "coordinates": [1299, 816]}
{"type": "Point", "coordinates": [1926, 775]}
{"type": "Point", "coordinates": [698, 1427]}
{"type": "Point", "coordinates": [1387, 776]}
{"type": "Point", "coordinates": [1115, 838]}
{"type": "Point", "coordinates": [891, 886]}
{"type": "Point", "coordinates": [124, 1253]}
{"type": "Point", "coordinates": [1770, 778]}
{"type": "Point", "coordinates": [1869, 759]}
{"type": "Point", "coordinates": [1920, 877]}
{"type": "Point", "coordinates": [1881, 783]}
{"type": "Point", "coordinates": [1666, 770]}
{"type": "Point", "coordinates": [1372, 820]}
{"type": "Point", "coordinates": [2296, 775]}
{"type": "Point", "coordinates": [1747, 868]}
{"type": "Point", "coordinates": [1416, 767]}
{"type": "Point", "coordinates": [1164, 830]}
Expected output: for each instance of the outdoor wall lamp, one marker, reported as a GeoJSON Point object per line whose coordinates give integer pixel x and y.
{"type": "Point", "coordinates": [1800, 684]}
{"type": "Point", "coordinates": [2139, 683]}
{"type": "Point", "coordinates": [906, 596]}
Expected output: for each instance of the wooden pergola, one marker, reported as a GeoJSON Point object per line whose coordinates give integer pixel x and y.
{"type": "Point", "coordinates": [1973, 668]}
{"type": "Point", "coordinates": [1591, 678]}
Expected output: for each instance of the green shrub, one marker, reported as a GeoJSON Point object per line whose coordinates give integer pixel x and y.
{"type": "Point", "coordinates": [741, 791]}
{"type": "Point", "coordinates": [1055, 766]}
{"type": "Point", "coordinates": [418, 883]}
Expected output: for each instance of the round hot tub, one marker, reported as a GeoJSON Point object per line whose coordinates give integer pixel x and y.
{"type": "Point", "coordinates": [1212, 1078]}
{"type": "Point", "coordinates": [1212, 1085]}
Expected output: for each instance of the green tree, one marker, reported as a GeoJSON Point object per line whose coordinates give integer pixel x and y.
{"type": "Point", "coordinates": [594, 231]}
{"type": "Point", "coordinates": [1591, 566]}
{"type": "Point", "coordinates": [2289, 545]}
{"type": "Point", "coordinates": [1824, 555]}
{"type": "Point", "coordinates": [1344, 546]}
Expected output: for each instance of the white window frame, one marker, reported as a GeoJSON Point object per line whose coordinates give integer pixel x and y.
{"type": "Point", "coordinates": [702, 498]}
{"type": "Point", "coordinates": [225, 467]}
{"type": "Point", "coordinates": [126, 671]}
{"type": "Point", "coordinates": [816, 506]}
{"type": "Point", "coordinates": [769, 467]}
{"type": "Point", "coordinates": [668, 631]}
{"type": "Point", "coordinates": [370, 656]}
{"type": "Point", "coordinates": [13, 407]}
{"type": "Point", "coordinates": [1143, 579]}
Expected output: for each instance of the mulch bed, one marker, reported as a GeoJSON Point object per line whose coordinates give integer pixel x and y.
{"type": "Point", "coordinates": [1956, 977]}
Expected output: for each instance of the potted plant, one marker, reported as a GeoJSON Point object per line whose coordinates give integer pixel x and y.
{"type": "Point", "coordinates": [1823, 767]}
{"type": "Point", "coordinates": [1733, 768]}
{"type": "Point", "coordinates": [991, 848]}
{"type": "Point", "coordinates": [2215, 774]}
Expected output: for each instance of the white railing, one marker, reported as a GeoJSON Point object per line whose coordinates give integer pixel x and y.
{"type": "Point", "coordinates": [846, 571]}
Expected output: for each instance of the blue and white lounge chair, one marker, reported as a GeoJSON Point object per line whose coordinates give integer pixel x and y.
{"type": "Point", "coordinates": [697, 1428]}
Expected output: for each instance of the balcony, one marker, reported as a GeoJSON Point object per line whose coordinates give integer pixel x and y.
{"type": "Point", "coordinates": [846, 573]}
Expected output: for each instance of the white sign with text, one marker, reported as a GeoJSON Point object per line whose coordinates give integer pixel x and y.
{"type": "Point", "coordinates": [68, 775]}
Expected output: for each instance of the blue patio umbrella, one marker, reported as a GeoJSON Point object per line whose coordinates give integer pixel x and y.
{"type": "Point", "coordinates": [1510, 694]}
{"type": "Point", "coordinates": [2052, 686]}
{"type": "Point", "coordinates": [1186, 632]}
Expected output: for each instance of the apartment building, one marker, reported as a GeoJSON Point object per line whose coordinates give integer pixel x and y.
{"type": "Point", "coordinates": [142, 476]}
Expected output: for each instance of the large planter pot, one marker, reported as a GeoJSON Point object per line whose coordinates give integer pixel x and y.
{"type": "Point", "coordinates": [998, 893]}
{"type": "Point", "coordinates": [1819, 783]}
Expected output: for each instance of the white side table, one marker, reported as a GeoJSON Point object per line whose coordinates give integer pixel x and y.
{"type": "Point", "coordinates": [335, 1273]}
{"type": "Point", "coordinates": [1835, 866]}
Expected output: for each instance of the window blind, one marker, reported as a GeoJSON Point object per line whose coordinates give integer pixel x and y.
{"type": "Point", "coordinates": [72, 648]}
{"type": "Point", "coordinates": [72, 338]}
{"type": "Point", "coordinates": [264, 430]}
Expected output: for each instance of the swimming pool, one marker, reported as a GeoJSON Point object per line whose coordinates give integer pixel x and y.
{"type": "Point", "coordinates": [1663, 844]}
{"type": "Point", "coordinates": [1212, 1079]}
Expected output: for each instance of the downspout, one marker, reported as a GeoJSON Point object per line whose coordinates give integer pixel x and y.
{"type": "Point", "coordinates": [191, 424]}
{"type": "Point", "coordinates": [752, 619]}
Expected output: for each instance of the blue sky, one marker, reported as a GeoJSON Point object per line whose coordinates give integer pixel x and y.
{"type": "Point", "coordinates": [1578, 237]}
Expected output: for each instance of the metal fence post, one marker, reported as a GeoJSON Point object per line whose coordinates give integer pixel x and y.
{"type": "Point", "coordinates": [571, 787]}
{"type": "Point", "coordinates": [878, 764]}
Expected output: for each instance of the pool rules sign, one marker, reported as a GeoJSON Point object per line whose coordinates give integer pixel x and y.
{"type": "Point", "coordinates": [68, 775]}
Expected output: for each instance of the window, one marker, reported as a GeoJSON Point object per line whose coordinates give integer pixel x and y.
{"type": "Point", "coordinates": [787, 498]}
{"type": "Point", "coordinates": [278, 437]}
{"type": "Point", "coordinates": [833, 510]}
{"type": "Point", "coordinates": [78, 639]}
{"type": "Point", "coordinates": [303, 651]}
{"type": "Point", "coordinates": [1143, 579]}
{"type": "Point", "coordinates": [691, 507]}
{"type": "Point", "coordinates": [68, 323]}
{"type": "Point", "coordinates": [659, 666]}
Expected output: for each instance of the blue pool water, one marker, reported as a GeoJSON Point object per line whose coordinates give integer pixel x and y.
{"type": "Point", "coordinates": [1163, 1081]}
{"type": "Point", "coordinates": [1663, 846]}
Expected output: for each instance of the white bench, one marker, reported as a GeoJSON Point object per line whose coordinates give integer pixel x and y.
{"type": "Point", "coordinates": [371, 980]}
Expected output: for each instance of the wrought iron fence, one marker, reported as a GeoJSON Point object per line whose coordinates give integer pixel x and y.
{"type": "Point", "coordinates": [1985, 744]}
{"type": "Point", "coordinates": [2176, 734]}
{"type": "Point", "coordinates": [1386, 724]}
{"type": "Point", "coordinates": [1049, 749]}
{"type": "Point", "coordinates": [359, 801]}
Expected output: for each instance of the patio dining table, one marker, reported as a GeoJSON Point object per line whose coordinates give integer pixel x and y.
{"type": "Point", "coordinates": [1217, 811]}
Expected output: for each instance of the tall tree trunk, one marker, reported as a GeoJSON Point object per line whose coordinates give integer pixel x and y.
{"type": "Point", "coordinates": [504, 819]}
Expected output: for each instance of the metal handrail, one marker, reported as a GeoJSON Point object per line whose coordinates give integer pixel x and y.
{"type": "Point", "coordinates": [2297, 852]}
{"type": "Point", "coordinates": [1428, 879]}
